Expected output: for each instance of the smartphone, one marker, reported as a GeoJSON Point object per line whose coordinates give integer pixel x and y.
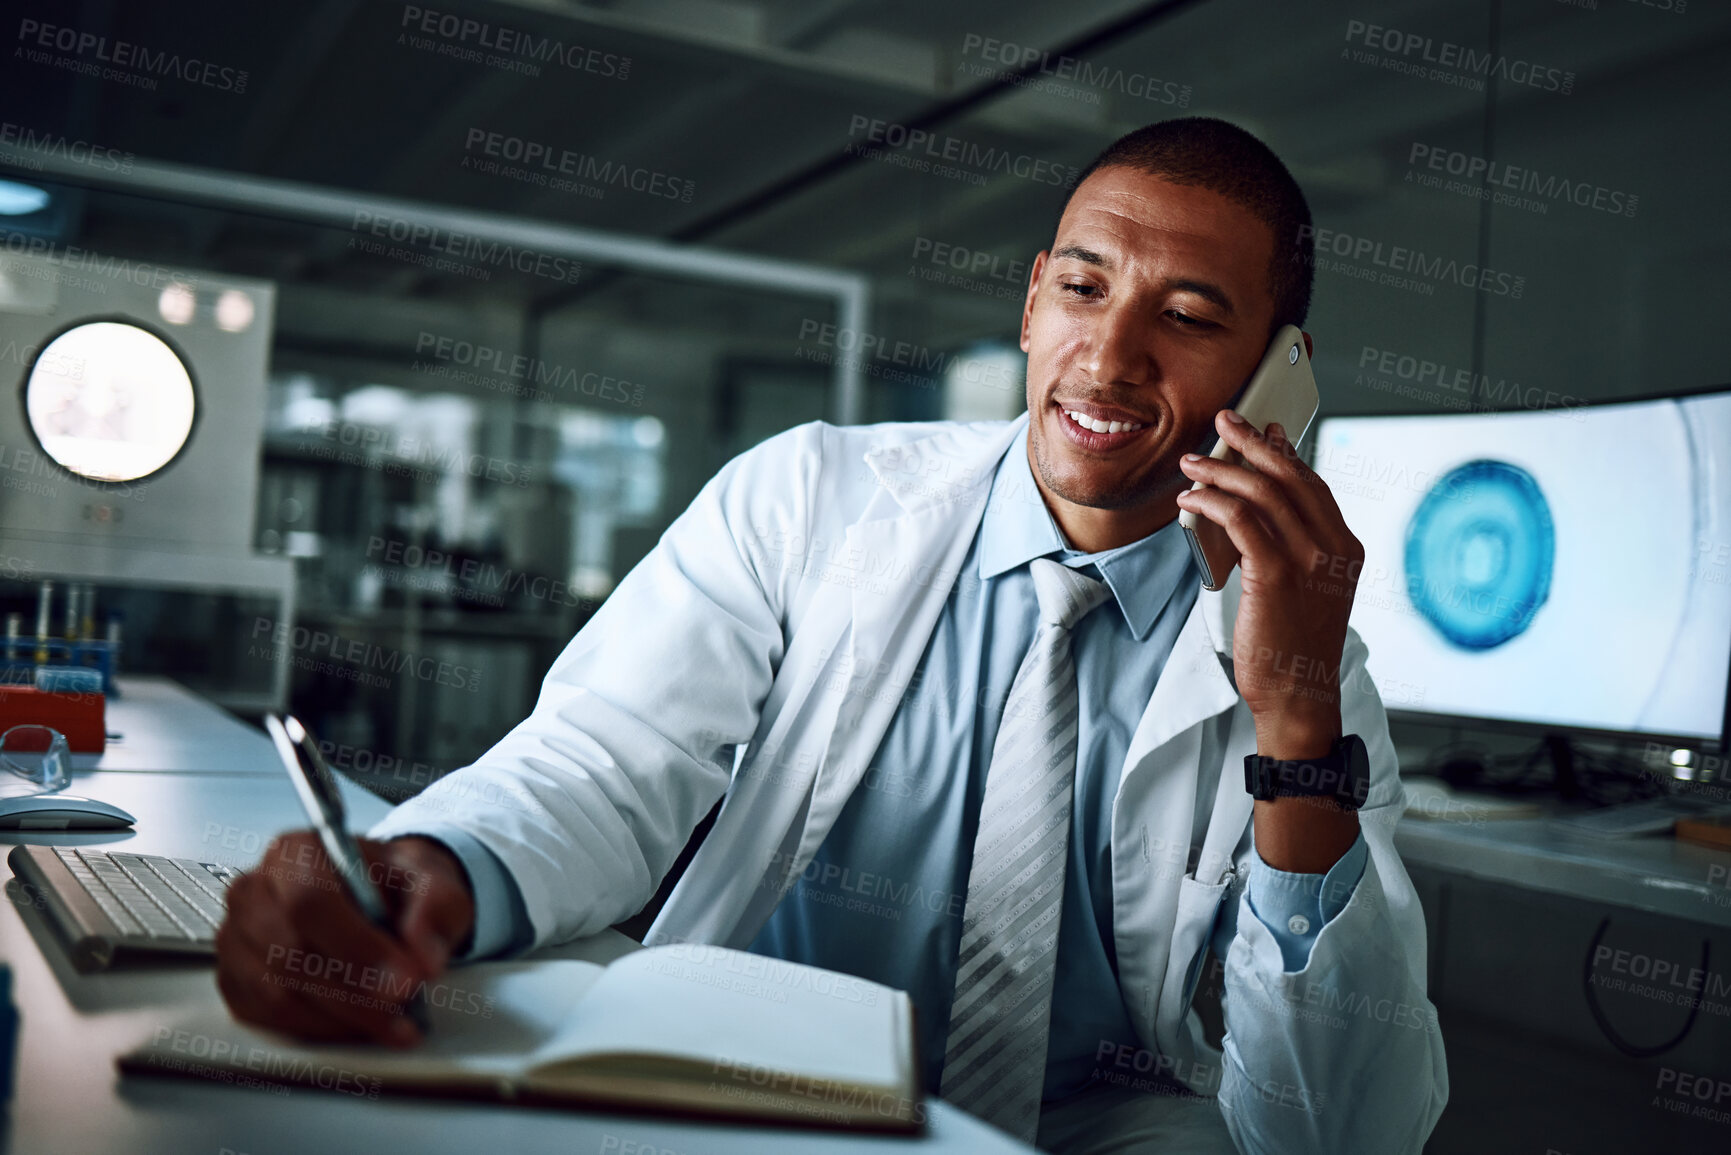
{"type": "Point", "coordinates": [1282, 390]}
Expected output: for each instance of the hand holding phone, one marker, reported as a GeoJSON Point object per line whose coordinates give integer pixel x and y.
{"type": "Point", "coordinates": [1282, 389]}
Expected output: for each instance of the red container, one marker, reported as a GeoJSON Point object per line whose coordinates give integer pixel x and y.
{"type": "Point", "coordinates": [78, 716]}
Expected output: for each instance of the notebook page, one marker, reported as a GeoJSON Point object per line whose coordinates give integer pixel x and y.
{"type": "Point", "coordinates": [725, 1010]}
{"type": "Point", "coordinates": [489, 1019]}
{"type": "Point", "coordinates": [501, 1011]}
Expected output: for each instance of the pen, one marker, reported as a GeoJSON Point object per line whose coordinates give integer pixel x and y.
{"type": "Point", "coordinates": [323, 802]}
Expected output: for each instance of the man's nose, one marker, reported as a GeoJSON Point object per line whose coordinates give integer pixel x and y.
{"type": "Point", "coordinates": [1117, 348]}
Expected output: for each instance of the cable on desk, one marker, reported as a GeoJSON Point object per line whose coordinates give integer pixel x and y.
{"type": "Point", "coordinates": [1598, 1012]}
{"type": "Point", "coordinates": [1595, 777]}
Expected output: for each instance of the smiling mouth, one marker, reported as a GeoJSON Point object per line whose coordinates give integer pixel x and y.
{"type": "Point", "coordinates": [1095, 425]}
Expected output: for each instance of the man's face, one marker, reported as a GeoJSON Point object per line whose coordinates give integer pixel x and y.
{"type": "Point", "coordinates": [1151, 308]}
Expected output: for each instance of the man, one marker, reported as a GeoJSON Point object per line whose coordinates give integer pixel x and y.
{"type": "Point", "coordinates": [979, 733]}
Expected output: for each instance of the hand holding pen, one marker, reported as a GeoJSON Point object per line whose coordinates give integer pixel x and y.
{"type": "Point", "coordinates": [313, 948]}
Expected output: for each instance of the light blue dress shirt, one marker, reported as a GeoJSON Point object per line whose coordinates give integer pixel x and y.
{"type": "Point", "coordinates": [883, 898]}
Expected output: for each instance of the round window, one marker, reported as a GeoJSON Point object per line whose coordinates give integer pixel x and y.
{"type": "Point", "coordinates": [109, 401]}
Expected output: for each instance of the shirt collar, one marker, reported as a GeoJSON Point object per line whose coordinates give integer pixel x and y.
{"type": "Point", "coordinates": [1017, 528]}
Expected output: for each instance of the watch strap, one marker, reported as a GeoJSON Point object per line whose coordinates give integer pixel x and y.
{"type": "Point", "coordinates": [1333, 775]}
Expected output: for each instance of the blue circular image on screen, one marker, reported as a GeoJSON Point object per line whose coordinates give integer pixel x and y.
{"type": "Point", "coordinates": [1479, 550]}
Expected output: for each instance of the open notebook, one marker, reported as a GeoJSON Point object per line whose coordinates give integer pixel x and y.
{"type": "Point", "coordinates": [684, 1029]}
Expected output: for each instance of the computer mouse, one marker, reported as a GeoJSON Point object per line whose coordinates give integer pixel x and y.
{"type": "Point", "coordinates": [61, 812]}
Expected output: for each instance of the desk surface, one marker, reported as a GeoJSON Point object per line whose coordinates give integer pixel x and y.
{"type": "Point", "coordinates": [164, 727]}
{"type": "Point", "coordinates": [1659, 875]}
{"type": "Point", "coordinates": [69, 1097]}
{"type": "Point", "coordinates": [167, 728]}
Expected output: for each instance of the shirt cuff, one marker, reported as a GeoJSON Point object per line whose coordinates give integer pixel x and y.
{"type": "Point", "coordinates": [1295, 907]}
{"type": "Point", "coordinates": [502, 923]}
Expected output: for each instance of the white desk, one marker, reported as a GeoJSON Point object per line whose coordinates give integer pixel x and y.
{"type": "Point", "coordinates": [166, 728]}
{"type": "Point", "coordinates": [1658, 875]}
{"type": "Point", "coordinates": [70, 1099]}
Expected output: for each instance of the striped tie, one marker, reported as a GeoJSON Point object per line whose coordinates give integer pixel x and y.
{"type": "Point", "coordinates": [995, 1058]}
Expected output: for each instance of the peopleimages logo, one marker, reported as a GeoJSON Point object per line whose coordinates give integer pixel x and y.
{"type": "Point", "coordinates": [489, 582]}
{"type": "Point", "coordinates": [1509, 182]}
{"type": "Point", "coordinates": [1014, 58]}
{"type": "Point", "coordinates": [487, 359]}
{"type": "Point", "coordinates": [426, 459]}
{"type": "Point", "coordinates": [907, 362]}
{"type": "Point", "coordinates": [1491, 391]}
{"type": "Point", "coordinates": [34, 149]}
{"type": "Point", "coordinates": [443, 250]}
{"type": "Point", "coordinates": [1703, 1096]}
{"type": "Point", "coordinates": [274, 1065]}
{"type": "Point", "coordinates": [354, 656]}
{"type": "Point", "coordinates": [1403, 268]}
{"type": "Point", "coordinates": [976, 262]}
{"type": "Point", "coordinates": [55, 361]}
{"type": "Point", "coordinates": [1355, 472]}
{"type": "Point", "coordinates": [1462, 390]}
{"type": "Point", "coordinates": [535, 162]}
{"type": "Point", "coordinates": [62, 264]}
{"type": "Point", "coordinates": [88, 54]}
{"type": "Point", "coordinates": [52, 478]}
{"type": "Point", "coordinates": [951, 156]}
{"type": "Point", "coordinates": [975, 270]}
{"type": "Point", "coordinates": [1446, 61]}
{"type": "Point", "coordinates": [479, 42]}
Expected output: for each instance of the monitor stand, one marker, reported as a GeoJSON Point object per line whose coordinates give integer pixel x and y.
{"type": "Point", "coordinates": [1562, 755]}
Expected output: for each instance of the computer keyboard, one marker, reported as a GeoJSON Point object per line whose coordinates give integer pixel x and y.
{"type": "Point", "coordinates": [111, 905]}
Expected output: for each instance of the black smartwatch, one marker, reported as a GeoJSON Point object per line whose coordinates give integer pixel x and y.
{"type": "Point", "coordinates": [1342, 774]}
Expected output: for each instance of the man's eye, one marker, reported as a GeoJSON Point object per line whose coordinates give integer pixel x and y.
{"type": "Point", "coordinates": [1187, 320]}
{"type": "Point", "coordinates": [1079, 290]}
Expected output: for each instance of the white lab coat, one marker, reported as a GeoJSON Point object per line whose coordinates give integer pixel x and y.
{"type": "Point", "coordinates": [784, 612]}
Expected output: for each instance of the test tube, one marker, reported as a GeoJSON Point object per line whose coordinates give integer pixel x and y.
{"type": "Point", "coordinates": [113, 666]}
{"type": "Point", "coordinates": [44, 602]}
{"type": "Point", "coordinates": [72, 591]}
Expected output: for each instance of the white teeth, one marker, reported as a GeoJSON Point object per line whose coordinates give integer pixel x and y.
{"type": "Point", "coordinates": [1090, 423]}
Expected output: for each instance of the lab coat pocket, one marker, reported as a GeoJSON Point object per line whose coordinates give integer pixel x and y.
{"type": "Point", "coordinates": [1198, 904]}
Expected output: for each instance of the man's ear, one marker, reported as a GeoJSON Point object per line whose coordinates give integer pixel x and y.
{"type": "Point", "coordinates": [1028, 302]}
{"type": "Point", "coordinates": [1308, 350]}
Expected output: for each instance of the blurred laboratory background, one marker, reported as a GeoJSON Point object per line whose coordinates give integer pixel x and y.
{"type": "Point", "coordinates": [442, 313]}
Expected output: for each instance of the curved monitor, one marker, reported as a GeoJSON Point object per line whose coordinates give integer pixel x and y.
{"type": "Point", "coordinates": [1559, 570]}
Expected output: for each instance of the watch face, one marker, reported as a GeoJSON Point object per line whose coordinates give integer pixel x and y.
{"type": "Point", "coordinates": [1357, 757]}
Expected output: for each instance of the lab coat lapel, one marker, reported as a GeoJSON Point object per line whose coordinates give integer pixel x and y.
{"type": "Point", "coordinates": [848, 664]}
{"type": "Point", "coordinates": [1232, 803]}
{"type": "Point", "coordinates": [1192, 686]}
{"type": "Point", "coordinates": [940, 485]}
{"type": "Point", "coordinates": [1161, 906]}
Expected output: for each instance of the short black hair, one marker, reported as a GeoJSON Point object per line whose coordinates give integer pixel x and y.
{"type": "Point", "coordinates": [1221, 157]}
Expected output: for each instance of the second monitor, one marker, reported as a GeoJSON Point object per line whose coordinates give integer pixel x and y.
{"type": "Point", "coordinates": [1565, 570]}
